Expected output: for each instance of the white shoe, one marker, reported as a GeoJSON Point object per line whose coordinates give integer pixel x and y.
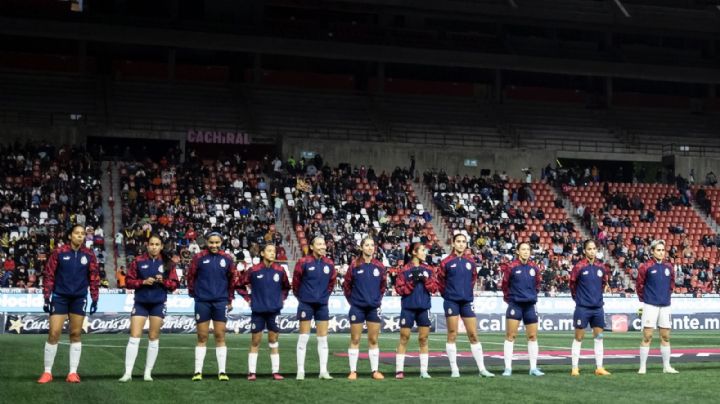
{"type": "Point", "coordinates": [642, 371]}
{"type": "Point", "coordinates": [455, 373]}
{"type": "Point", "coordinates": [485, 373]}
{"type": "Point", "coordinates": [670, 370]}
{"type": "Point", "coordinates": [147, 377]}
{"type": "Point", "coordinates": [425, 375]}
{"type": "Point", "coordinates": [325, 376]}
{"type": "Point", "coordinates": [300, 376]}
{"type": "Point", "coordinates": [126, 378]}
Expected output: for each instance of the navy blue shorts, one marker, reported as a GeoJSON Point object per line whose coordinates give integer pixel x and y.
{"type": "Point", "coordinates": [260, 321]}
{"type": "Point", "coordinates": [463, 309]}
{"type": "Point", "coordinates": [206, 311]}
{"type": "Point", "coordinates": [149, 309]}
{"type": "Point", "coordinates": [308, 311]}
{"type": "Point", "coordinates": [359, 315]}
{"type": "Point", "coordinates": [584, 316]}
{"type": "Point", "coordinates": [408, 317]}
{"type": "Point", "coordinates": [68, 304]}
{"type": "Point", "coordinates": [525, 312]}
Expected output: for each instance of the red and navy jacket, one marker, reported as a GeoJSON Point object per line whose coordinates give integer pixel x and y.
{"type": "Point", "coordinates": [70, 273]}
{"type": "Point", "coordinates": [269, 287]}
{"type": "Point", "coordinates": [314, 279]}
{"type": "Point", "coordinates": [212, 277]}
{"type": "Point", "coordinates": [587, 283]}
{"type": "Point", "coordinates": [415, 296]}
{"type": "Point", "coordinates": [456, 278]}
{"type": "Point", "coordinates": [144, 267]}
{"type": "Point", "coordinates": [365, 284]}
{"type": "Point", "coordinates": [655, 283]}
{"type": "Point", "coordinates": [520, 282]}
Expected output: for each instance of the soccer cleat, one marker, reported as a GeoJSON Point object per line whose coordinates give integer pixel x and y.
{"type": "Point", "coordinates": [277, 376]}
{"type": "Point", "coordinates": [507, 372]}
{"type": "Point", "coordinates": [377, 375]}
{"type": "Point", "coordinates": [126, 378]}
{"type": "Point", "coordinates": [73, 378]}
{"type": "Point", "coordinates": [223, 377]}
{"type": "Point", "coordinates": [352, 376]}
{"type": "Point", "coordinates": [576, 372]}
{"type": "Point", "coordinates": [670, 370]}
{"type": "Point", "coordinates": [455, 373]}
{"type": "Point", "coordinates": [642, 371]}
{"type": "Point", "coordinates": [399, 375]}
{"type": "Point", "coordinates": [45, 378]}
{"type": "Point", "coordinates": [300, 376]}
{"type": "Point", "coordinates": [536, 372]}
{"type": "Point", "coordinates": [252, 377]}
{"type": "Point", "coordinates": [325, 376]}
{"type": "Point", "coordinates": [485, 373]}
{"type": "Point", "coordinates": [147, 377]}
{"type": "Point", "coordinates": [602, 372]}
{"type": "Point", "coordinates": [197, 377]}
{"type": "Point", "coordinates": [425, 375]}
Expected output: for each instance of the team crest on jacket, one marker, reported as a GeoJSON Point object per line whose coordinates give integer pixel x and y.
{"type": "Point", "coordinates": [376, 272]}
{"type": "Point", "coordinates": [276, 277]}
{"type": "Point", "coordinates": [667, 271]}
{"type": "Point", "coordinates": [532, 272]}
{"type": "Point", "coordinates": [161, 269]}
{"type": "Point", "coordinates": [84, 260]}
{"type": "Point", "coordinates": [468, 266]}
{"type": "Point", "coordinates": [222, 263]}
{"type": "Point", "coordinates": [326, 269]}
{"type": "Point", "coordinates": [425, 274]}
{"type": "Point", "coordinates": [599, 272]}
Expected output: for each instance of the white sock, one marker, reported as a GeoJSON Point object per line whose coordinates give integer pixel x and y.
{"type": "Point", "coordinates": [533, 353]}
{"type": "Point", "coordinates": [374, 355]}
{"type": "Point", "coordinates": [322, 348]}
{"type": "Point", "coordinates": [575, 351]}
{"type": "Point", "coordinates": [665, 352]}
{"type": "Point", "coordinates": [399, 362]}
{"type": "Point", "coordinates": [508, 353]}
{"type": "Point", "coordinates": [301, 349]}
{"type": "Point", "coordinates": [75, 351]}
{"type": "Point", "coordinates": [152, 353]}
{"type": "Point", "coordinates": [599, 352]}
{"type": "Point", "coordinates": [221, 355]}
{"type": "Point", "coordinates": [477, 353]}
{"type": "Point", "coordinates": [252, 362]}
{"type": "Point", "coordinates": [353, 354]}
{"type": "Point", "coordinates": [451, 350]}
{"type": "Point", "coordinates": [275, 362]}
{"type": "Point", "coordinates": [199, 358]}
{"type": "Point", "coordinates": [424, 358]}
{"type": "Point", "coordinates": [131, 354]}
{"type": "Point", "coordinates": [49, 356]}
{"type": "Point", "coordinates": [644, 352]}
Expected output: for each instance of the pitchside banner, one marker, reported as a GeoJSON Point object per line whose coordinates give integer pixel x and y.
{"type": "Point", "coordinates": [184, 324]}
{"type": "Point", "coordinates": [13, 301]}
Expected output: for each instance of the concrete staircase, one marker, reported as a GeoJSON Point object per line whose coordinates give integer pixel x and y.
{"type": "Point", "coordinates": [290, 242]}
{"type": "Point", "coordinates": [708, 219]}
{"type": "Point", "coordinates": [424, 196]}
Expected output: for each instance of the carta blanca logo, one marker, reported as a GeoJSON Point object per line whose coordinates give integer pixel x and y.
{"type": "Point", "coordinates": [25, 302]}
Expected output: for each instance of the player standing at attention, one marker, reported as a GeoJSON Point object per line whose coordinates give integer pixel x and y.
{"type": "Point", "coordinates": [588, 280]}
{"type": "Point", "coordinates": [313, 281]}
{"type": "Point", "coordinates": [152, 275]}
{"type": "Point", "coordinates": [211, 282]}
{"type": "Point", "coordinates": [269, 287]}
{"type": "Point", "coordinates": [456, 278]}
{"type": "Point", "coordinates": [520, 284]}
{"type": "Point", "coordinates": [655, 283]}
{"type": "Point", "coordinates": [415, 283]}
{"type": "Point", "coordinates": [364, 286]}
{"type": "Point", "coordinates": [69, 272]}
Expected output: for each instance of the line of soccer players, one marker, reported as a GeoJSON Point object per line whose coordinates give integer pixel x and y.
{"type": "Point", "coordinates": [213, 281]}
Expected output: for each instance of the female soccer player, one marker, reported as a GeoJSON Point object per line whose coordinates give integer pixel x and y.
{"type": "Point", "coordinates": [655, 283]}
{"type": "Point", "coordinates": [520, 284]}
{"type": "Point", "coordinates": [364, 286]}
{"type": "Point", "coordinates": [313, 281]}
{"type": "Point", "coordinates": [211, 282]}
{"type": "Point", "coordinates": [69, 272]}
{"type": "Point", "coordinates": [456, 278]}
{"type": "Point", "coordinates": [588, 280]}
{"type": "Point", "coordinates": [269, 288]}
{"type": "Point", "coordinates": [415, 283]}
{"type": "Point", "coordinates": [152, 275]}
